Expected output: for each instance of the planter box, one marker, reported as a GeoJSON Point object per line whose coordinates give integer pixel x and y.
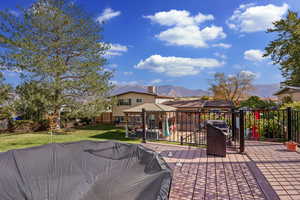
{"type": "Point", "coordinates": [292, 146]}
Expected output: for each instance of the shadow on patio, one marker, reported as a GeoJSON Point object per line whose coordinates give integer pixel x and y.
{"type": "Point", "coordinates": [266, 171]}
{"type": "Point", "coordinates": [198, 176]}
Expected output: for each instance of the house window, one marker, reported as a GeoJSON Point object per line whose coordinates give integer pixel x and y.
{"type": "Point", "coordinates": [139, 100]}
{"type": "Point", "coordinates": [119, 119]}
{"type": "Point", "coordinates": [136, 119]}
{"type": "Point", "coordinates": [124, 102]}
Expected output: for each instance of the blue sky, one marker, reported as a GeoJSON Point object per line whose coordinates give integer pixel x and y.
{"type": "Point", "coordinates": [183, 42]}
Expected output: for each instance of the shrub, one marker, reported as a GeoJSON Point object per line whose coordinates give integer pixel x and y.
{"type": "Point", "coordinates": [86, 121]}
{"type": "Point", "coordinates": [294, 105]}
{"type": "Point", "coordinates": [5, 113]}
{"type": "Point", "coordinates": [272, 129]}
{"type": "Point", "coordinates": [23, 126]}
{"type": "Point", "coordinates": [43, 125]}
{"type": "Point", "coordinates": [270, 124]}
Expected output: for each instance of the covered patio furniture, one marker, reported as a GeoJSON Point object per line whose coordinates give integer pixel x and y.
{"type": "Point", "coordinates": [86, 170]}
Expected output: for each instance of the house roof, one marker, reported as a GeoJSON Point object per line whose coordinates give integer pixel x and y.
{"type": "Point", "coordinates": [200, 103]}
{"type": "Point", "coordinates": [150, 107]}
{"type": "Point", "coordinates": [218, 104]}
{"type": "Point", "coordinates": [165, 97]}
{"type": "Point", "coordinates": [145, 93]}
{"type": "Point", "coordinates": [287, 88]}
{"type": "Point", "coordinates": [186, 103]}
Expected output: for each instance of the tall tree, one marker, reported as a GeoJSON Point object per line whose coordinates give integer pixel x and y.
{"type": "Point", "coordinates": [285, 49]}
{"type": "Point", "coordinates": [231, 87]}
{"type": "Point", "coordinates": [5, 97]}
{"type": "Point", "coordinates": [5, 89]}
{"type": "Point", "coordinates": [57, 43]}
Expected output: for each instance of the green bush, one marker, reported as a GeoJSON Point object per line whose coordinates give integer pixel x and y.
{"type": "Point", "coordinates": [272, 129]}
{"type": "Point", "coordinates": [294, 105]}
{"type": "Point", "coordinates": [5, 113]}
{"type": "Point", "coordinates": [270, 124]}
{"type": "Point", "coordinates": [255, 102]}
{"type": "Point", "coordinates": [23, 126]}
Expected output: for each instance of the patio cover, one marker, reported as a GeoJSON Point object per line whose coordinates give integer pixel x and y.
{"type": "Point", "coordinates": [150, 107]}
{"type": "Point", "coordinates": [84, 170]}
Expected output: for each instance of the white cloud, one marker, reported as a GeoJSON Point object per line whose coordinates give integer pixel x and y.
{"type": "Point", "coordinates": [121, 83]}
{"type": "Point", "coordinates": [255, 55]}
{"type": "Point", "coordinates": [107, 14]}
{"type": "Point", "coordinates": [177, 66]}
{"type": "Point", "coordinates": [220, 55]}
{"type": "Point", "coordinates": [248, 73]}
{"type": "Point", "coordinates": [155, 81]}
{"type": "Point", "coordinates": [127, 73]}
{"type": "Point", "coordinates": [250, 18]}
{"type": "Point", "coordinates": [222, 45]}
{"type": "Point", "coordinates": [184, 29]}
{"type": "Point", "coordinates": [118, 47]}
{"type": "Point", "coordinates": [116, 50]}
{"type": "Point", "coordinates": [178, 18]}
{"type": "Point", "coordinates": [191, 35]}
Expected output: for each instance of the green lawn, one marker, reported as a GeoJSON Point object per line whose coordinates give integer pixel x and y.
{"type": "Point", "coordinates": [98, 133]}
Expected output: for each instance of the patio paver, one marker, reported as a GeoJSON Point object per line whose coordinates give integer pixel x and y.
{"type": "Point", "coordinates": [280, 167]}
{"type": "Point", "coordinates": [266, 171]}
{"type": "Point", "coordinates": [198, 176]}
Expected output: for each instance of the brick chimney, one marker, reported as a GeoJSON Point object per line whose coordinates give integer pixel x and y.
{"type": "Point", "coordinates": [152, 89]}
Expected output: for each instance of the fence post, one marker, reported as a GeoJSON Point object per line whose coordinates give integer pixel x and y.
{"type": "Point", "coordinates": [289, 125]}
{"type": "Point", "coordinates": [144, 125]}
{"type": "Point", "coordinates": [233, 124]}
{"type": "Point", "coordinates": [242, 134]}
{"type": "Point", "coordinates": [126, 126]}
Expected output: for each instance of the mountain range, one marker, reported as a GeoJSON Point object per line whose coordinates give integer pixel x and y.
{"type": "Point", "coordinates": [261, 90]}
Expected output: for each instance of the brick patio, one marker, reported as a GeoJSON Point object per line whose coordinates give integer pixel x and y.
{"type": "Point", "coordinates": [280, 167]}
{"type": "Point", "coordinates": [238, 176]}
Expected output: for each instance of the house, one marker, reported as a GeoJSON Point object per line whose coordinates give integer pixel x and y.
{"type": "Point", "coordinates": [129, 104]}
{"type": "Point", "coordinates": [104, 118]}
{"type": "Point", "coordinates": [130, 99]}
{"type": "Point", "coordinates": [288, 91]}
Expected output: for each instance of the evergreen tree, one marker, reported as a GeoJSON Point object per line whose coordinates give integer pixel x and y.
{"type": "Point", "coordinates": [57, 44]}
{"type": "Point", "coordinates": [285, 49]}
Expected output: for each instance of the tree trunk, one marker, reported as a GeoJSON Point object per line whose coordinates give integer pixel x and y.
{"type": "Point", "coordinates": [54, 121]}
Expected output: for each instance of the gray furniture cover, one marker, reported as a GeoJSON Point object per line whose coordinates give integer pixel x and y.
{"type": "Point", "coordinates": [84, 170]}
